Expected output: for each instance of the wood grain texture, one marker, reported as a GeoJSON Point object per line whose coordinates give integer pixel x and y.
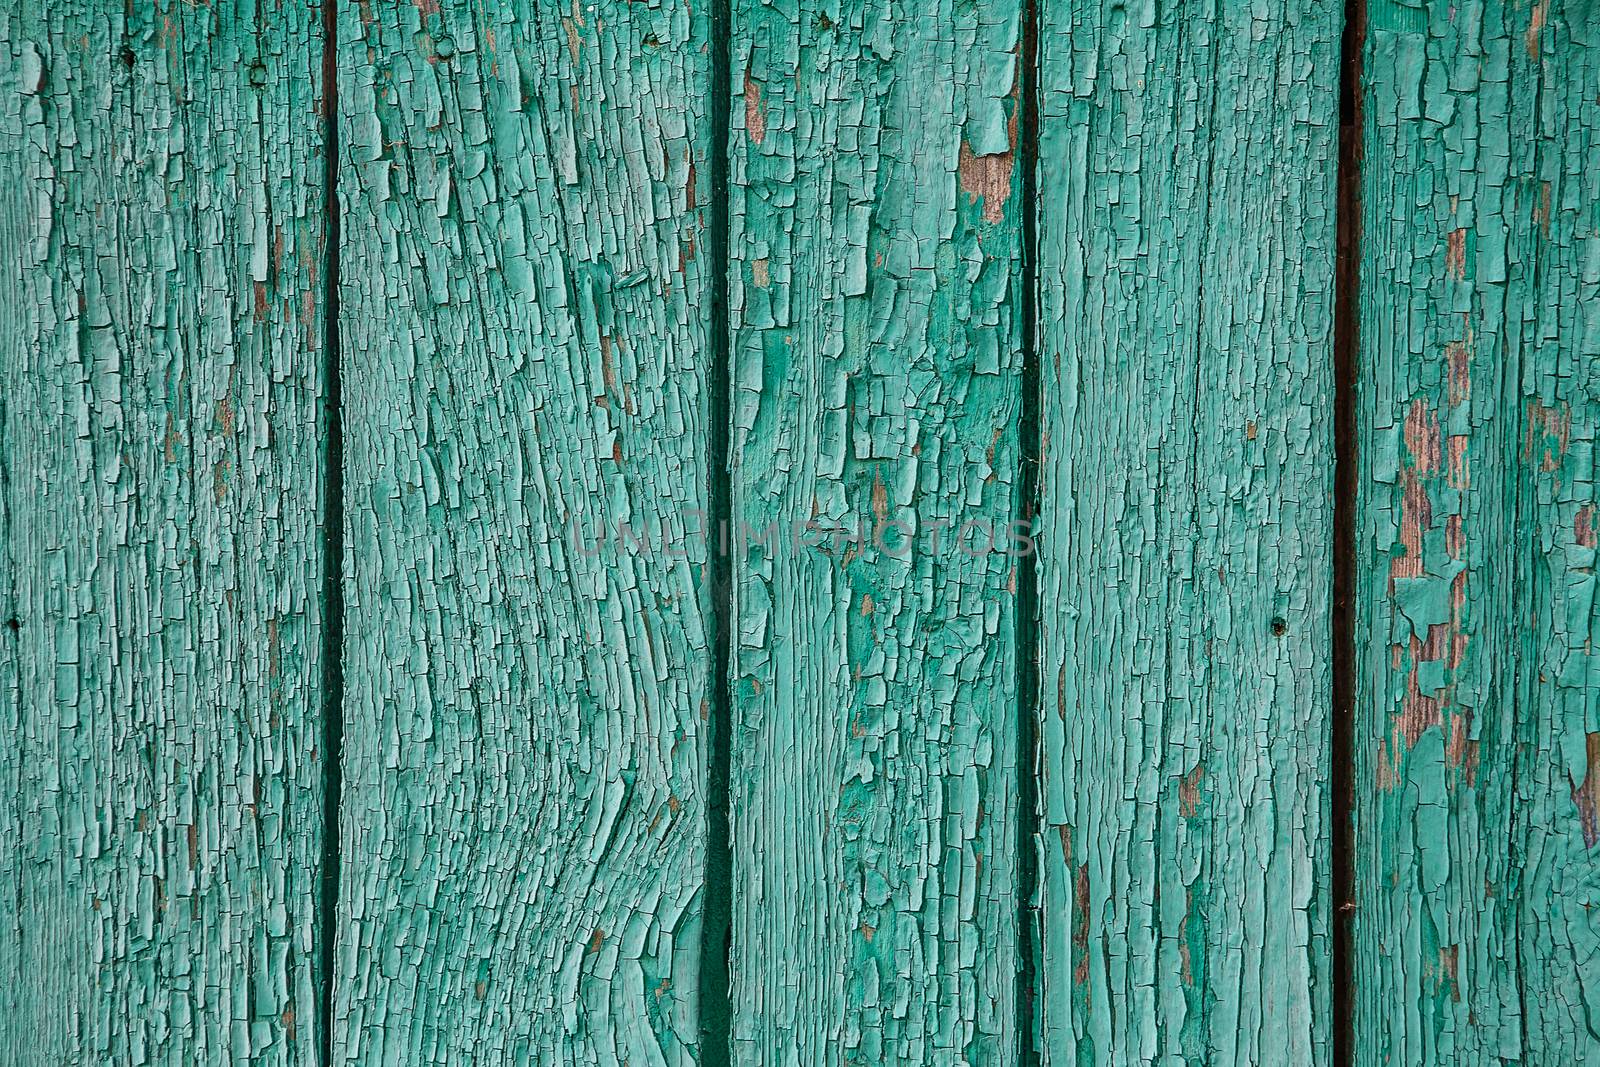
{"type": "Point", "coordinates": [1186, 257]}
{"type": "Point", "coordinates": [162, 232]}
{"type": "Point", "coordinates": [874, 250]}
{"type": "Point", "coordinates": [526, 340]}
{"type": "Point", "coordinates": [1478, 730]}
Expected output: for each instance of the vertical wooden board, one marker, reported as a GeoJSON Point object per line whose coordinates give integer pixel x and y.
{"type": "Point", "coordinates": [1478, 732]}
{"type": "Point", "coordinates": [161, 217]}
{"type": "Point", "coordinates": [1187, 167]}
{"type": "Point", "coordinates": [525, 330]}
{"type": "Point", "coordinates": [876, 379]}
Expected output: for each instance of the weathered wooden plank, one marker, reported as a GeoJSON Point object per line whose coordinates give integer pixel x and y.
{"type": "Point", "coordinates": [161, 223]}
{"type": "Point", "coordinates": [525, 330]}
{"type": "Point", "coordinates": [1478, 730]}
{"type": "Point", "coordinates": [874, 285]}
{"type": "Point", "coordinates": [1186, 256]}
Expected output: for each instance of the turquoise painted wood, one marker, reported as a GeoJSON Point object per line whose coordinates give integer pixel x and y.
{"type": "Point", "coordinates": [161, 321]}
{"type": "Point", "coordinates": [1478, 731]}
{"type": "Point", "coordinates": [524, 679]}
{"type": "Point", "coordinates": [874, 250]}
{"type": "Point", "coordinates": [1186, 264]}
{"type": "Point", "coordinates": [525, 338]}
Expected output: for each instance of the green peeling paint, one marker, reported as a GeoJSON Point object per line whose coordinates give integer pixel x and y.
{"type": "Point", "coordinates": [162, 231]}
{"type": "Point", "coordinates": [1187, 166]}
{"type": "Point", "coordinates": [529, 824]}
{"type": "Point", "coordinates": [525, 329]}
{"type": "Point", "coordinates": [1478, 733]}
{"type": "Point", "coordinates": [874, 282]}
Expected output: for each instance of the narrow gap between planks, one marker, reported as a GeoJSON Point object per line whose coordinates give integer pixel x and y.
{"type": "Point", "coordinates": [1346, 343]}
{"type": "Point", "coordinates": [332, 742]}
{"type": "Point", "coordinates": [716, 945]}
{"type": "Point", "coordinates": [1027, 605]}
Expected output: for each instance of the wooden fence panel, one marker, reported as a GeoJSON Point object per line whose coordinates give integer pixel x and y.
{"type": "Point", "coordinates": [1187, 168]}
{"type": "Point", "coordinates": [528, 325]}
{"type": "Point", "coordinates": [876, 380]}
{"type": "Point", "coordinates": [525, 330]}
{"type": "Point", "coordinates": [1477, 934]}
{"type": "Point", "coordinates": [161, 327]}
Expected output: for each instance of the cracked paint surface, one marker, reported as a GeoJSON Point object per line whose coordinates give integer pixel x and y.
{"type": "Point", "coordinates": [874, 268]}
{"type": "Point", "coordinates": [526, 315]}
{"type": "Point", "coordinates": [162, 227]}
{"type": "Point", "coordinates": [1187, 166]}
{"type": "Point", "coordinates": [1478, 732]}
{"type": "Point", "coordinates": [525, 332]}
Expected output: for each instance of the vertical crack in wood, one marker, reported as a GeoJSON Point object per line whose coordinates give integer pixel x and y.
{"type": "Point", "coordinates": [1345, 344]}
{"type": "Point", "coordinates": [332, 536]}
{"type": "Point", "coordinates": [717, 920]}
{"type": "Point", "coordinates": [1027, 617]}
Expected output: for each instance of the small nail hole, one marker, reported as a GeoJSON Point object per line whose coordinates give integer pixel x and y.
{"type": "Point", "coordinates": [1279, 627]}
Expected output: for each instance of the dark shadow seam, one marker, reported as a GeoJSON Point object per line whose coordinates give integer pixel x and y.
{"type": "Point", "coordinates": [716, 944]}
{"type": "Point", "coordinates": [1346, 344]}
{"type": "Point", "coordinates": [332, 539]}
{"type": "Point", "coordinates": [1027, 606]}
